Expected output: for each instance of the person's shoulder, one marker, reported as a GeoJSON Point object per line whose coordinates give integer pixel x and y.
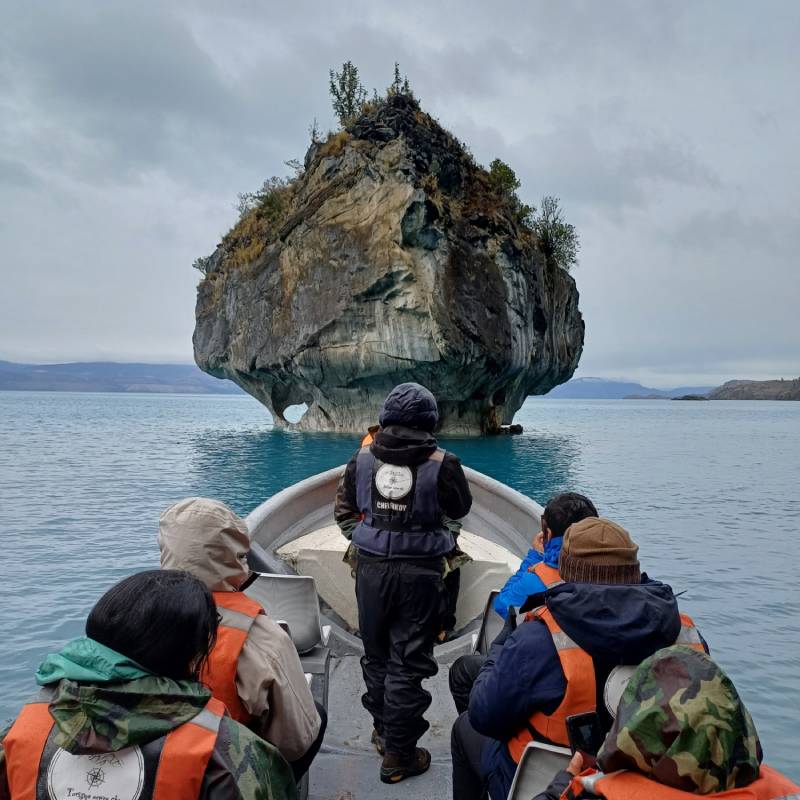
{"type": "Point", "coordinates": [451, 463]}
{"type": "Point", "coordinates": [269, 640]}
{"type": "Point", "coordinates": [529, 635]}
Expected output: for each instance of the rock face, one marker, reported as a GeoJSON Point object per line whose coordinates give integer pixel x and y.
{"type": "Point", "coordinates": [393, 258]}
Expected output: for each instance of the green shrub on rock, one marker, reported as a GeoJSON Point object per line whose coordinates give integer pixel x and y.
{"type": "Point", "coordinates": [558, 239]}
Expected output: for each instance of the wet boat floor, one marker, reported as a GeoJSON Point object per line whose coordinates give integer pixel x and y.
{"type": "Point", "coordinates": [347, 766]}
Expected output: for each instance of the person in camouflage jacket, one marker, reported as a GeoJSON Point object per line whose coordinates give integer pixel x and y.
{"type": "Point", "coordinates": [680, 724]}
{"type": "Point", "coordinates": [103, 700]}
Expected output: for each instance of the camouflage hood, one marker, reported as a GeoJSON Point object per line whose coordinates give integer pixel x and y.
{"type": "Point", "coordinates": [103, 701]}
{"type": "Point", "coordinates": [682, 723]}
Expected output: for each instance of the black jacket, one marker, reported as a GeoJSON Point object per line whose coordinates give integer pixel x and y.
{"type": "Point", "coordinates": [396, 444]}
{"type": "Point", "coordinates": [621, 624]}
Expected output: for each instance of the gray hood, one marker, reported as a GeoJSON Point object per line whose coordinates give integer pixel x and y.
{"type": "Point", "coordinates": [206, 538]}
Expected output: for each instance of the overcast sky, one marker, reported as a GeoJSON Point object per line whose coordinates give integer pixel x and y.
{"type": "Point", "coordinates": [670, 131]}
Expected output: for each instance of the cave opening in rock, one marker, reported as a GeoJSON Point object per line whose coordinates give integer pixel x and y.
{"type": "Point", "coordinates": [295, 412]}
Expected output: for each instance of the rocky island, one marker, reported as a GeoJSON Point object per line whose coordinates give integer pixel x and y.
{"type": "Point", "coordinates": [758, 390]}
{"type": "Point", "coordinates": [392, 256]}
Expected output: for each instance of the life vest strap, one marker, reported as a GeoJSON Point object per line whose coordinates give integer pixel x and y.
{"type": "Point", "coordinates": [238, 613]}
{"type": "Point", "coordinates": [186, 753]}
{"type": "Point", "coordinates": [579, 696]}
{"type": "Point", "coordinates": [238, 601]}
{"type": "Point", "coordinates": [548, 575]}
{"type": "Point", "coordinates": [235, 619]}
{"type": "Point", "coordinates": [30, 732]}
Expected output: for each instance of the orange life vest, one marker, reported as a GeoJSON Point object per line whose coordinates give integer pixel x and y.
{"type": "Point", "coordinates": [549, 576]}
{"type": "Point", "coordinates": [770, 785]}
{"type": "Point", "coordinates": [238, 613]}
{"type": "Point", "coordinates": [369, 436]}
{"type": "Point", "coordinates": [181, 764]}
{"type": "Point", "coordinates": [580, 696]}
{"type": "Point", "coordinates": [689, 635]}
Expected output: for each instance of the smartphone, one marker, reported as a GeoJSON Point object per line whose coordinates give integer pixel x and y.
{"type": "Point", "coordinates": [585, 733]}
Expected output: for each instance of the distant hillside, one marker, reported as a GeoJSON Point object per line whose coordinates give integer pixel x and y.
{"type": "Point", "coordinates": [602, 389]}
{"type": "Point", "coordinates": [104, 376]}
{"type": "Point", "coordinates": [758, 390]}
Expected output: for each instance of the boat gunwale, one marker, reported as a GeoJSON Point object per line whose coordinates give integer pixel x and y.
{"type": "Point", "coordinates": [272, 524]}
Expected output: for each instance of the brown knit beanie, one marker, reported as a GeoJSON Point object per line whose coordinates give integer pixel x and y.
{"type": "Point", "coordinates": [597, 550]}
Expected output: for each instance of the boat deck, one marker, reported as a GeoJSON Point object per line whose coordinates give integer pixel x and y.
{"type": "Point", "coordinates": [347, 766]}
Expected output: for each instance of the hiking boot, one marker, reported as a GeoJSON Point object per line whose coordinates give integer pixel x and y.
{"type": "Point", "coordinates": [396, 768]}
{"type": "Point", "coordinates": [379, 742]}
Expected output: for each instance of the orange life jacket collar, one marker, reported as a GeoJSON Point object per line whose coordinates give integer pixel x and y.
{"type": "Point", "coordinates": [580, 696]}
{"type": "Point", "coordinates": [238, 612]}
{"type": "Point", "coordinates": [770, 785]}
{"type": "Point", "coordinates": [549, 576]}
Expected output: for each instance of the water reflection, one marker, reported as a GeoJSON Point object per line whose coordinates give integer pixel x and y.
{"type": "Point", "coordinates": [243, 468]}
{"type": "Point", "coordinates": [536, 465]}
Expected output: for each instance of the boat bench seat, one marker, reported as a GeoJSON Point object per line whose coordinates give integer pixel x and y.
{"type": "Point", "coordinates": [538, 766]}
{"type": "Point", "coordinates": [316, 666]}
{"type": "Point", "coordinates": [292, 600]}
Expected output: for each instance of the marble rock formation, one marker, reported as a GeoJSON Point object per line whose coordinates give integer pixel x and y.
{"type": "Point", "coordinates": [393, 257]}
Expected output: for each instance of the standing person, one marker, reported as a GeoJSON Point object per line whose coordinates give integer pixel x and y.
{"type": "Point", "coordinates": [455, 559]}
{"type": "Point", "coordinates": [121, 712]}
{"type": "Point", "coordinates": [254, 667]}
{"type": "Point", "coordinates": [392, 501]}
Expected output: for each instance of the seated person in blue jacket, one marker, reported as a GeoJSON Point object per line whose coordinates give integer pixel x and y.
{"type": "Point", "coordinates": [556, 662]}
{"type": "Point", "coordinates": [537, 572]}
{"type": "Point", "coordinates": [533, 575]}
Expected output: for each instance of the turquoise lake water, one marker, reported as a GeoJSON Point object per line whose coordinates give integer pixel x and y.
{"type": "Point", "coordinates": [710, 491]}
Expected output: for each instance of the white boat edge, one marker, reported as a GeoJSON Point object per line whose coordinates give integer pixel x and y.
{"type": "Point", "coordinates": [499, 514]}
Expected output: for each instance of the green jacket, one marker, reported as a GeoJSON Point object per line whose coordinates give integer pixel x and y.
{"type": "Point", "coordinates": [104, 702]}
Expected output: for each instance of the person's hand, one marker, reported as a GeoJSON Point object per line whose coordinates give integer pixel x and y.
{"type": "Point", "coordinates": [575, 765]}
{"type": "Point", "coordinates": [538, 543]}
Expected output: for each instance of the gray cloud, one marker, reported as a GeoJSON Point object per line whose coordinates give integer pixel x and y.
{"type": "Point", "coordinates": [669, 131]}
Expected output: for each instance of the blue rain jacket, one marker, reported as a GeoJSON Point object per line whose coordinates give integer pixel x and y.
{"type": "Point", "coordinates": [522, 584]}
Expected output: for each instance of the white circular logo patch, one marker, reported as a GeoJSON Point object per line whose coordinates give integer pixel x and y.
{"type": "Point", "coordinates": [393, 482]}
{"type": "Point", "coordinates": [96, 776]}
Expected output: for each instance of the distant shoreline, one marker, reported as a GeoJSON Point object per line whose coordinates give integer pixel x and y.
{"type": "Point", "coordinates": [109, 377]}
{"type": "Point", "coordinates": [602, 389]}
{"type": "Point", "coordinates": [112, 377]}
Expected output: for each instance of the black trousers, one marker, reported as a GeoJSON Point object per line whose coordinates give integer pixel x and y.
{"type": "Point", "coordinates": [399, 614]}
{"type": "Point", "coordinates": [452, 585]}
{"type": "Point", "coordinates": [462, 675]}
{"type": "Point", "coordinates": [466, 745]}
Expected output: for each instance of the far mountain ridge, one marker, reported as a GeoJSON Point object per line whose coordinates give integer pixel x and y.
{"type": "Point", "coordinates": [594, 388]}
{"type": "Point", "coordinates": [110, 376]}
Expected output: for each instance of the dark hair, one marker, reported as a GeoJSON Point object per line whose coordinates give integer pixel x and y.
{"type": "Point", "coordinates": [163, 619]}
{"type": "Point", "coordinates": [565, 509]}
